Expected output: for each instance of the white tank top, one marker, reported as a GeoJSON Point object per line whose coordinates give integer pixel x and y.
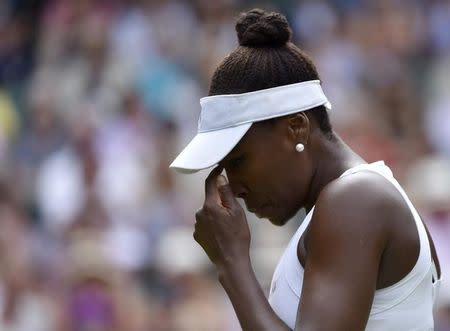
{"type": "Point", "coordinates": [404, 306]}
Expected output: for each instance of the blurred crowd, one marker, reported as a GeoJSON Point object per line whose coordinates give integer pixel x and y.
{"type": "Point", "coordinates": [98, 96]}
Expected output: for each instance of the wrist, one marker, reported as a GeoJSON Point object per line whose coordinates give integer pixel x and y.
{"type": "Point", "coordinates": [234, 269]}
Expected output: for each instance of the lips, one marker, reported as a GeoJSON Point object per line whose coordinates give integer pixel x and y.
{"type": "Point", "coordinates": [252, 210]}
{"type": "Point", "coordinates": [256, 210]}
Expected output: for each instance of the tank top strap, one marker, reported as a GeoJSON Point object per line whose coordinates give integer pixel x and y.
{"type": "Point", "coordinates": [410, 298]}
{"type": "Point", "coordinates": [380, 168]}
{"type": "Point", "coordinates": [436, 282]}
{"type": "Point", "coordinates": [424, 262]}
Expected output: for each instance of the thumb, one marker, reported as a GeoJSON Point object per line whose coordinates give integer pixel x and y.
{"type": "Point", "coordinates": [226, 195]}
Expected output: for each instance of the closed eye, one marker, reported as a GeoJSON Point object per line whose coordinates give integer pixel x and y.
{"type": "Point", "coordinates": [234, 163]}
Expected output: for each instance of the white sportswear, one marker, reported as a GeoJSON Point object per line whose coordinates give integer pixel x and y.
{"type": "Point", "coordinates": [404, 306]}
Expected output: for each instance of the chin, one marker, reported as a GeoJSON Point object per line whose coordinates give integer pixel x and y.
{"type": "Point", "coordinates": [278, 221]}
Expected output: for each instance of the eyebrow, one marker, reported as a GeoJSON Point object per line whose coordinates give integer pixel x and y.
{"type": "Point", "coordinates": [229, 158]}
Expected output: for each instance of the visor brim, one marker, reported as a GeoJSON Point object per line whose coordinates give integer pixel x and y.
{"type": "Point", "coordinates": [207, 149]}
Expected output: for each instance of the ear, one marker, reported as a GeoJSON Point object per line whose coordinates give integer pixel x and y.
{"type": "Point", "coordinates": [298, 128]}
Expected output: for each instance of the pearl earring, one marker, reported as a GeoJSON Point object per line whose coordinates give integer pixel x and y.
{"type": "Point", "coordinates": [299, 148]}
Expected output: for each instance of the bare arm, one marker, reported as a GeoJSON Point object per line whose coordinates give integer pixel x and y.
{"type": "Point", "coordinates": [249, 302]}
{"type": "Point", "coordinates": [345, 246]}
{"type": "Point", "coordinates": [345, 243]}
{"type": "Point", "coordinates": [222, 231]}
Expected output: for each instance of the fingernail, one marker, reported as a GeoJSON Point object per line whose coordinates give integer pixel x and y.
{"type": "Point", "coordinates": [221, 180]}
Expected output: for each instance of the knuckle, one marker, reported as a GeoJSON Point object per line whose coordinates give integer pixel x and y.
{"type": "Point", "coordinates": [222, 188]}
{"type": "Point", "coordinates": [198, 214]}
{"type": "Point", "coordinates": [236, 210]}
{"type": "Point", "coordinates": [208, 207]}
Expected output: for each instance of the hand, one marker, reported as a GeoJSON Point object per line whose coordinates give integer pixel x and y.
{"type": "Point", "coordinates": [221, 227]}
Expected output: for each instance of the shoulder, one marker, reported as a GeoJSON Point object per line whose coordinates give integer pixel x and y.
{"type": "Point", "coordinates": [364, 193]}
{"type": "Point", "coordinates": [361, 205]}
{"type": "Point", "coordinates": [345, 241]}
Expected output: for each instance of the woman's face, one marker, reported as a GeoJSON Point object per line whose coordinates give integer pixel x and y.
{"type": "Point", "coordinates": [266, 171]}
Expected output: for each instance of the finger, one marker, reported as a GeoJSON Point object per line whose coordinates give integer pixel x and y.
{"type": "Point", "coordinates": [225, 192]}
{"type": "Point", "coordinates": [196, 236]}
{"type": "Point", "coordinates": [211, 192]}
{"type": "Point", "coordinates": [198, 215]}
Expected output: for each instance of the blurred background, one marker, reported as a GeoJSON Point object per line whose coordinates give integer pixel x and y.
{"type": "Point", "coordinates": [98, 96]}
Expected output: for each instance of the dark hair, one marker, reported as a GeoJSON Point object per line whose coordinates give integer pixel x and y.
{"type": "Point", "coordinates": [266, 58]}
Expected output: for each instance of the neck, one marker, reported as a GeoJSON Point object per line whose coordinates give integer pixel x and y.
{"type": "Point", "coordinates": [334, 158]}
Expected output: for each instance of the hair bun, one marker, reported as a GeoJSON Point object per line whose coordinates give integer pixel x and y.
{"type": "Point", "coordinates": [258, 28]}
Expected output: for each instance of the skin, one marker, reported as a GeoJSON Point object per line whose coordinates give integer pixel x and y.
{"type": "Point", "coordinates": [361, 238]}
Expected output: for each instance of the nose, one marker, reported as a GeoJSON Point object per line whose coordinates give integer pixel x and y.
{"type": "Point", "coordinates": [237, 187]}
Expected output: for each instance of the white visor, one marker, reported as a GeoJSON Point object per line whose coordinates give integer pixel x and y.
{"type": "Point", "coordinates": [224, 120]}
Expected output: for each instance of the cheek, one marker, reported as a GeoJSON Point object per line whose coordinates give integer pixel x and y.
{"type": "Point", "coordinates": [253, 172]}
{"type": "Point", "coordinates": [288, 194]}
{"type": "Point", "coordinates": [266, 178]}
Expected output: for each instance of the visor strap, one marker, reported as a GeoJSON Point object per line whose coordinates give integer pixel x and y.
{"type": "Point", "coordinates": [224, 111]}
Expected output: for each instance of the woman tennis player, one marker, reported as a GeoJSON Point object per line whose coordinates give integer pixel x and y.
{"type": "Point", "coordinates": [362, 258]}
